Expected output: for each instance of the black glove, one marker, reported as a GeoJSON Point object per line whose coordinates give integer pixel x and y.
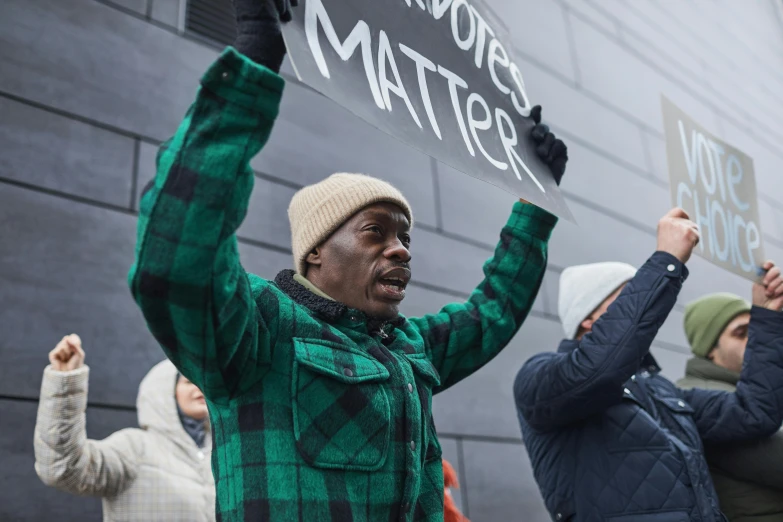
{"type": "Point", "coordinates": [551, 150]}
{"type": "Point", "coordinates": [258, 30]}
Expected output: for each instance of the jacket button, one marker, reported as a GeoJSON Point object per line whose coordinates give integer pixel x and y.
{"type": "Point", "coordinates": [200, 455]}
{"type": "Point", "coordinates": [633, 377]}
{"type": "Point", "coordinates": [348, 372]}
{"type": "Point", "coordinates": [413, 445]}
{"type": "Point", "coordinates": [410, 388]}
{"type": "Point", "coordinates": [559, 516]}
{"type": "Point", "coordinates": [680, 404]}
{"type": "Point", "coordinates": [626, 391]}
{"type": "Point", "coordinates": [671, 268]}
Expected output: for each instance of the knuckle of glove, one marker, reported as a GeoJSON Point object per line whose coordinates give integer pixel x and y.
{"type": "Point", "coordinates": [535, 114]}
{"type": "Point", "coordinates": [559, 149]}
{"type": "Point", "coordinates": [539, 132]}
{"type": "Point", "coordinates": [545, 148]}
{"type": "Point", "coordinates": [543, 151]}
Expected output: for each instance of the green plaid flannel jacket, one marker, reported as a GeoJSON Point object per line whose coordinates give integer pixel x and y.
{"type": "Point", "coordinates": [315, 416]}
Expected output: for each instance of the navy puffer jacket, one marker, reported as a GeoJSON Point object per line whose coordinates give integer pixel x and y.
{"type": "Point", "coordinates": [610, 439]}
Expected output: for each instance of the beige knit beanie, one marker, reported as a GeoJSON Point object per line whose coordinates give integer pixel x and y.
{"type": "Point", "coordinates": [316, 211]}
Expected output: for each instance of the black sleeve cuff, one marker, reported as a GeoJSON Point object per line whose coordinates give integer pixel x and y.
{"type": "Point", "coordinates": [668, 265]}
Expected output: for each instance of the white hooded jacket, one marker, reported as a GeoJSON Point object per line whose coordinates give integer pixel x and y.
{"type": "Point", "coordinates": [156, 473]}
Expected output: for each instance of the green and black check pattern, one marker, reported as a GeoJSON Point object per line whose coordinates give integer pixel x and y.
{"type": "Point", "coordinates": [316, 415]}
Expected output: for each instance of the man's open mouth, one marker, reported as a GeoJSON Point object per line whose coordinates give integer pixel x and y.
{"type": "Point", "coordinates": [393, 283]}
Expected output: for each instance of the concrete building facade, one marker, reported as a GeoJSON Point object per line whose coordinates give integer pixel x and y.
{"type": "Point", "coordinates": [89, 88]}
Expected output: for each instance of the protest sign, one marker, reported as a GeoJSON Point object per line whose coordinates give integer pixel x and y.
{"type": "Point", "coordinates": [715, 183]}
{"type": "Point", "coordinates": [439, 75]}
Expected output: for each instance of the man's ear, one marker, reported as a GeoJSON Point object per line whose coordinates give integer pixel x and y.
{"type": "Point", "coordinates": [587, 325]}
{"type": "Point", "coordinates": [314, 257]}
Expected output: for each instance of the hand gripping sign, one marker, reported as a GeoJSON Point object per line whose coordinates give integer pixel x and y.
{"type": "Point", "coordinates": [439, 75]}
{"type": "Point", "coordinates": [715, 184]}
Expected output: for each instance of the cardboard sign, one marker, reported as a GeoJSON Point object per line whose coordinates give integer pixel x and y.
{"type": "Point", "coordinates": [439, 75]}
{"type": "Point", "coordinates": [714, 182]}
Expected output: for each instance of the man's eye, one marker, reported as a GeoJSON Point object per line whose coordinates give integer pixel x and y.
{"type": "Point", "coordinates": [375, 228]}
{"type": "Point", "coordinates": [406, 240]}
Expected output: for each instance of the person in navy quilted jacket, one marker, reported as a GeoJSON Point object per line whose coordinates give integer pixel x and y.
{"type": "Point", "coordinates": [608, 437]}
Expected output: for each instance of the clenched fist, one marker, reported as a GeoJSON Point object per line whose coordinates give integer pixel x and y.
{"type": "Point", "coordinates": [259, 36]}
{"type": "Point", "coordinates": [68, 354]}
{"type": "Point", "coordinates": [677, 234]}
{"type": "Point", "coordinates": [769, 293]}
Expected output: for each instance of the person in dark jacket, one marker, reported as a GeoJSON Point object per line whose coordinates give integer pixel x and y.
{"type": "Point", "coordinates": [748, 477]}
{"type": "Point", "coordinates": [608, 437]}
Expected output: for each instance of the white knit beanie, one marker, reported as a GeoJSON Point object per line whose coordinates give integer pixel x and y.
{"type": "Point", "coordinates": [583, 288]}
{"type": "Point", "coordinates": [316, 211]}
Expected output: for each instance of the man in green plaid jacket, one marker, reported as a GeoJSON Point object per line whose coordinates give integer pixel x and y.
{"type": "Point", "coordinates": [319, 391]}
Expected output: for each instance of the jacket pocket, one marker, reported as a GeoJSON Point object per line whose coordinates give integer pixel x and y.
{"type": "Point", "coordinates": [667, 516]}
{"type": "Point", "coordinates": [427, 375]}
{"type": "Point", "coordinates": [341, 412]}
{"type": "Point", "coordinates": [677, 416]}
{"type": "Point", "coordinates": [675, 405]}
{"type": "Point", "coordinates": [424, 369]}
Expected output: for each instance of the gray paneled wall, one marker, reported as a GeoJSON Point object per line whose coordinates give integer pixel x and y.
{"type": "Point", "coordinates": [88, 88]}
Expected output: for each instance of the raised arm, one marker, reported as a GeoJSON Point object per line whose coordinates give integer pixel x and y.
{"type": "Point", "coordinates": [755, 410]}
{"type": "Point", "coordinates": [556, 389]}
{"type": "Point", "coordinates": [461, 338]}
{"type": "Point", "coordinates": [197, 299]}
{"type": "Point", "coordinates": [64, 457]}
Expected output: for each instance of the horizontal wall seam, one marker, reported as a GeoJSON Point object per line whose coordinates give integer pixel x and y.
{"type": "Point", "coordinates": [241, 239]}
{"type": "Point", "coordinates": [90, 404]}
{"type": "Point", "coordinates": [638, 171]}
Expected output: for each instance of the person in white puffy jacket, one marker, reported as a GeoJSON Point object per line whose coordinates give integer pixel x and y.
{"type": "Point", "coordinates": [158, 472]}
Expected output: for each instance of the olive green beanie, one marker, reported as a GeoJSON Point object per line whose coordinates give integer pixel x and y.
{"type": "Point", "coordinates": [706, 318]}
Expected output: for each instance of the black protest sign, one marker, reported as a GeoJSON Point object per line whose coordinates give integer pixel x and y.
{"type": "Point", "coordinates": [715, 183]}
{"type": "Point", "coordinates": [439, 75]}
